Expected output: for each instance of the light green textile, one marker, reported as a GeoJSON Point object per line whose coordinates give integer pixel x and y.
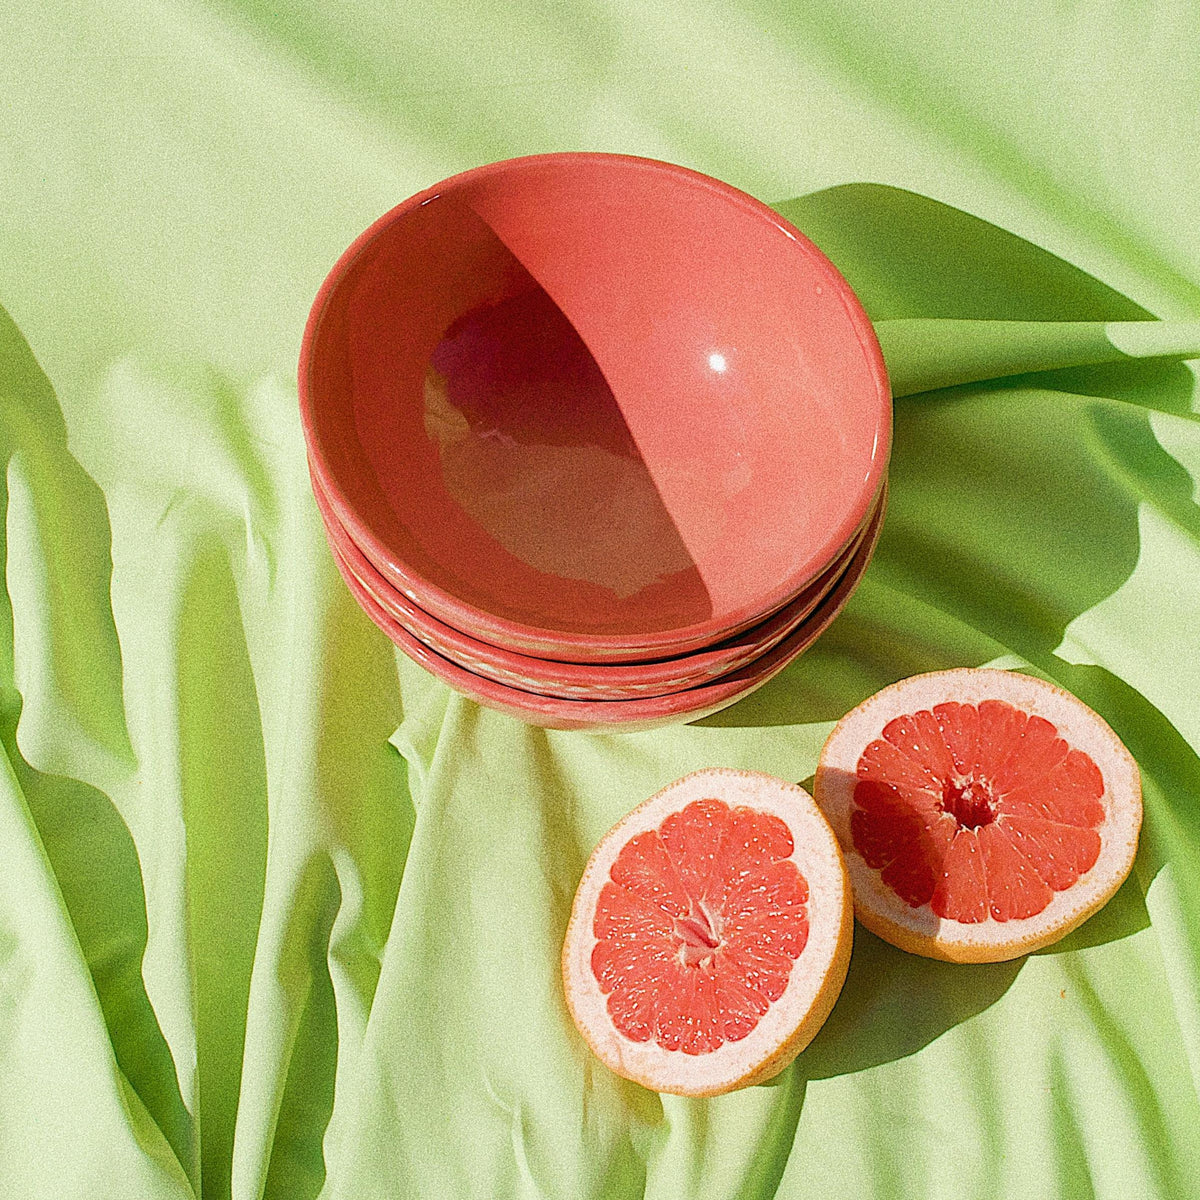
{"type": "Point", "coordinates": [280, 916]}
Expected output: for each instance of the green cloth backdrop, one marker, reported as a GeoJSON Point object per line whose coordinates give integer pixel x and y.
{"type": "Point", "coordinates": [280, 916]}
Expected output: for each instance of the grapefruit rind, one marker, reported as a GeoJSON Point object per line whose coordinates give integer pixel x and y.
{"type": "Point", "coordinates": [816, 977]}
{"type": "Point", "coordinates": [919, 930]}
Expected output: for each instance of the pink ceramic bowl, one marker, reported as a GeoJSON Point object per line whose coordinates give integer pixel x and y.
{"type": "Point", "coordinates": [578, 681]}
{"type": "Point", "coordinates": [593, 408]}
{"type": "Point", "coordinates": [626, 716]}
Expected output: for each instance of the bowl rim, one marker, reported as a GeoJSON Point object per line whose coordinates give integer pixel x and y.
{"type": "Point", "coordinates": [613, 715]}
{"type": "Point", "coordinates": [607, 681]}
{"type": "Point", "coordinates": [528, 638]}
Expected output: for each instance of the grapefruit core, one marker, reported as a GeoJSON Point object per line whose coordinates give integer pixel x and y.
{"type": "Point", "coordinates": [710, 934]}
{"type": "Point", "coordinates": [983, 814]}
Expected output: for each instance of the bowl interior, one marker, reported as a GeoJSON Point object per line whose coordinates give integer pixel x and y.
{"type": "Point", "coordinates": [595, 395]}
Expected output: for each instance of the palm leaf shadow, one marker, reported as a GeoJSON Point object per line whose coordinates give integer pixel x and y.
{"type": "Point", "coordinates": [968, 568]}
{"type": "Point", "coordinates": [87, 843]}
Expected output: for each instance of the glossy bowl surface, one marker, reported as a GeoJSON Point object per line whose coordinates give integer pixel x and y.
{"type": "Point", "coordinates": [579, 681]}
{"type": "Point", "coordinates": [627, 716]}
{"type": "Point", "coordinates": [592, 407]}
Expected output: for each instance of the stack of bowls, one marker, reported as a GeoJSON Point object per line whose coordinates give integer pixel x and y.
{"type": "Point", "coordinates": [597, 440]}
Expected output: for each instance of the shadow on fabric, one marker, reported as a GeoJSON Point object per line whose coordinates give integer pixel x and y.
{"type": "Point", "coordinates": [1011, 509]}
{"type": "Point", "coordinates": [1014, 509]}
{"type": "Point", "coordinates": [87, 843]}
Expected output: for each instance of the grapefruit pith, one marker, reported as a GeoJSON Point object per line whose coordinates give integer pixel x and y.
{"type": "Point", "coordinates": [983, 814]}
{"type": "Point", "coordinates": [710, 934]}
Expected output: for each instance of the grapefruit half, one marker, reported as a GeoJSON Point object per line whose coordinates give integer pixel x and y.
{"type": "Point", "coordinates": [983, 814]}
{"type": "Point", "coordinates": [710, 934]}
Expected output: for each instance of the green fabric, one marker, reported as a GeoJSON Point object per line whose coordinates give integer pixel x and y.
{"type": "Point", "coordinates": [280, 916]}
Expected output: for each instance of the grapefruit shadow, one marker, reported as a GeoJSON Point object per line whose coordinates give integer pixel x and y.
{"type": "Point", "coordinates": [894, 1004]}
{"type": "Point", "coordinates": [936, 995]}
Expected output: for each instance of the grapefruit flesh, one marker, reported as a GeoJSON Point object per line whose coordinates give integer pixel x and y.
{"type": "Point", "coordinates": [710, 934]}
{"type": "Point", "coordinates": [984, 813]}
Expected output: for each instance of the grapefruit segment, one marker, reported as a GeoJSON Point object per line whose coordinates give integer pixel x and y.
{"type": "Point", "coordinates": [692, 840]}
{"type": "Point", "coordinates": [961, 893]}
{"type": "Point", "coordinates": [1015, 889]}
{"type": "Point", "coordinates": [959, 727]}
{"type": "Point", "coordinates": [917, 737]}
{"type": "Point", "coordinates": [1059, 853]}
{"type": "Point", "coordinates": [983, 813]}
{"type": "Point", "coordinates": [882, 824]}
{"type": "Point", "coordinates": [645, 869]}
{"type": "Point", "coordinates": [1036, 753]}
{"type": "Point", "coordinates": [1001, 727]}
{"type": "Point", "coordinates": [710, 934]}
{"type": "Point", "coordinates": [884, 762]}
{"type": "Point", "coordinates": [913, 873]}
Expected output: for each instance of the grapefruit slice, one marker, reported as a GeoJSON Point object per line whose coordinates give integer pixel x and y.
{"type": "Point", "coordinates": [983, 814]}
{"type": "Point", "coordinates": [710, 934]}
